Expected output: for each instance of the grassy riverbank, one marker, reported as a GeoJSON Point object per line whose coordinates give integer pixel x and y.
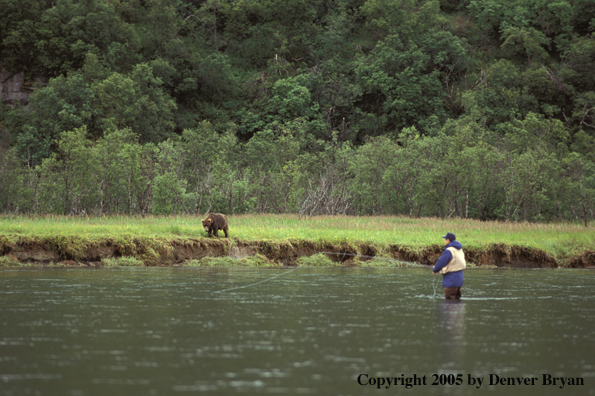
{"type": "Point", "coordinates": [416, 236]}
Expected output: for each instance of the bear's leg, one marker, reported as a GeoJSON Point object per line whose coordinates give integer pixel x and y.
{"type": "Point", "coordinates": [225, 230]}
{"type": "Point", "coordinates": [216, 230]}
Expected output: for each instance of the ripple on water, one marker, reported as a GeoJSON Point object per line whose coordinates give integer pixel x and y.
{"type": "Point", "coordinates": [156, 331]}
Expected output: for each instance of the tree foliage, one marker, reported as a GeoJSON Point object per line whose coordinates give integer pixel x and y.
{"type": "Point", "coordinates": [477, 108]}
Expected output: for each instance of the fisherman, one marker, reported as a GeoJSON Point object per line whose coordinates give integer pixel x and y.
{"type": "Point", "coordinates": [451, 265]}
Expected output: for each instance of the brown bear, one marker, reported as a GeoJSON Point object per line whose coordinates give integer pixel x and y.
{"type": "Point", "coordinates": [215, 222]}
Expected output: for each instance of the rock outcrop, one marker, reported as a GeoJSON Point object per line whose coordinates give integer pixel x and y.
{"type": "Point", "coordinates": [15, 89]}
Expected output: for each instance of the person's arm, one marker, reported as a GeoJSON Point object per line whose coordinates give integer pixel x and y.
{"type": "Point", "coordinates": [442, 261]}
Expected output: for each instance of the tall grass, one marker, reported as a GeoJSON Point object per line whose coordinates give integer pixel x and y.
{"type": "Point", "coordinates": [559, 239]}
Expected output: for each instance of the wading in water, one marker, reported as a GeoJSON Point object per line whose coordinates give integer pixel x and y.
{"type": "Point", "coordinates": [451, 265]}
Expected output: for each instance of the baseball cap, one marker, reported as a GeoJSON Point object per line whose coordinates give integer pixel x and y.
{"type": "Point", "coordinates": [450, 236]}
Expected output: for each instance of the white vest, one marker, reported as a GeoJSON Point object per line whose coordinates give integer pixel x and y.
{"type": "Point", "coordinates": [457, 263]}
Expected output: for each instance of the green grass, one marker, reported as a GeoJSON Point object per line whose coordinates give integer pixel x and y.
{"type": "Point", "coordinates": [562, 240]}
{"type": "Point", "coordinates": [386, 262]}
{"type": "Point", "coordinates": [257, 260]}
{"type": "Point", "coordinates": [122, 262]}
{"type": "Point", "coordinates": [317, 260]}
{"type": "Point", "coordinates": [7, 261]}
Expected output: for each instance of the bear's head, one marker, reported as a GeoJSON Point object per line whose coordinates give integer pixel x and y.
{"type": "Point", "coordinates": [206, 223]}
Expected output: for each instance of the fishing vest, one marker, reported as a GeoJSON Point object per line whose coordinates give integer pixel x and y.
{"type": "Point", "coordinates": [457, 263]}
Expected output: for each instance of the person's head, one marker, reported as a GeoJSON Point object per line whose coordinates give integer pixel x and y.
{"type": "Point", "coordinates": [449, 237]}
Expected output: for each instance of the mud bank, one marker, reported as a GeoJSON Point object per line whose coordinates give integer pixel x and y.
{"type": "Point", "coordinates": [176, 252]}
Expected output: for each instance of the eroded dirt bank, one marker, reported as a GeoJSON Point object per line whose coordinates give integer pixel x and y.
{"type": "Point", "coordinates": [168, 252]}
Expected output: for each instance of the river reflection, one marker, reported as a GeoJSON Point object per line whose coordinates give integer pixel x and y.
{"type": "Point", "coordinates": [451, 314]}
{"type": "Point", "coordinates": [163, 331]}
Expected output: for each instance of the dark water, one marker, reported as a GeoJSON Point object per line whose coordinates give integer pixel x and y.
{"type": "Point", "coordinates": [165, 331]}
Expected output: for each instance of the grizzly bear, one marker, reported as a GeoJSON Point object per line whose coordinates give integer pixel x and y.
{"type": "Point", "coordinates": [215, 222]}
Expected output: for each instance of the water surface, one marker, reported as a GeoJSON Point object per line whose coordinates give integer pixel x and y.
{"type": "Point", "coordinates": [166, 331]}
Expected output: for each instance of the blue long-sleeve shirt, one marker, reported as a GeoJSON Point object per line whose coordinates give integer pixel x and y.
{"type": "Point", "coordinates": [450, 279]}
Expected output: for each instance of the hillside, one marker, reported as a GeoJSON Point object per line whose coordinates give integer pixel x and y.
{"type": "Point", "coordinates": [477, 109]}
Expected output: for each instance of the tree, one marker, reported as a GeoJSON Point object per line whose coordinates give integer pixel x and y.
{"type": "Point", "coordinates": [580, 175]}
{"type": "Point", "coordinates": [65, 104]}
{"type": "Point", "coordinates": [207, 156]}
{"type": "Point", "coordinates": [136, 102]}
{"type": "Point", "coordinates": [69, 176]}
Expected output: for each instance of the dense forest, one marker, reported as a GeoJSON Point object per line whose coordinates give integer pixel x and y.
{"type": "Point", "coordinates": [453, 108]}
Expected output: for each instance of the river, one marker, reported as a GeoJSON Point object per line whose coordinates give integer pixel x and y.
{"type": "Point", "coordinates": [311, 331]}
